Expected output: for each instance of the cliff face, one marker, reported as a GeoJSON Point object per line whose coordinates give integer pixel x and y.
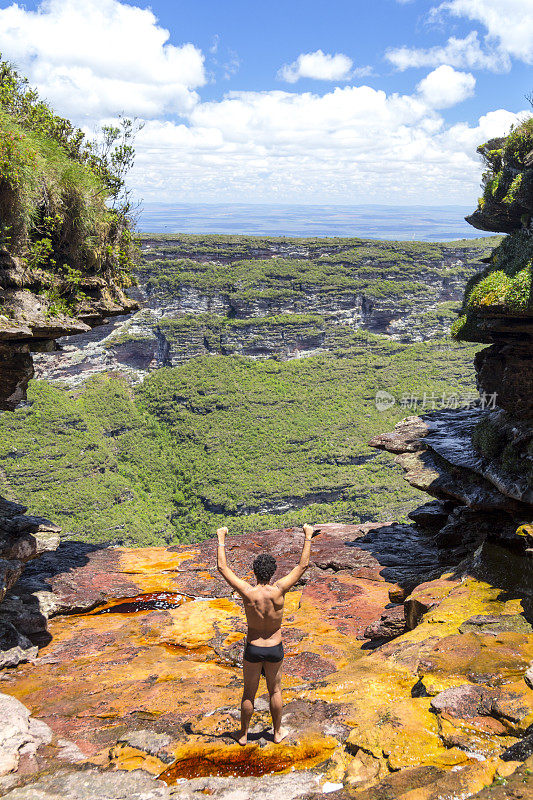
{"type": "Point", "coordinates": [30, 323]}
{"type": "Point", "coordinates": [269, 298]}
{"type": "Point", "coordinates": [481, 460]}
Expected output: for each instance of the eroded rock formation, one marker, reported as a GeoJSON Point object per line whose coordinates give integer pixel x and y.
{"type": "Point", "coordinates": [409, 647]}
{"type": "Point", "coordinates": [29, 322]}
{"type": "Point", "coordinates": [260, 299]}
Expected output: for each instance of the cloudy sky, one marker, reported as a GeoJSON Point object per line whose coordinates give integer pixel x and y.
{"type": "Point", "coordinates": [287, 101]}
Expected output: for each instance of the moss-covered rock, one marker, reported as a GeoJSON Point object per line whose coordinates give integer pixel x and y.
{"type": "Point", "coordinates": [498, 302]}
{"type": "Point", "coordinates": [507, 201]}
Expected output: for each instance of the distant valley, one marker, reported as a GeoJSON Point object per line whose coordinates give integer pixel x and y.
{"type": "Point", "coordinates": [244, 389]}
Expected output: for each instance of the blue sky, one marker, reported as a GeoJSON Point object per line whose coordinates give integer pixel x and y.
{"type": "Point", "coordinates": [295, 102]}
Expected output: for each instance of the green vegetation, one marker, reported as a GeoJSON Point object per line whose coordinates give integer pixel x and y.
{"type": "Point", "coordinates": [96, 464]}
{"type": "Point", "coordinates": [505, 287]}
{"type": "Point", "coordinates": [64, 211]}
{"type": "Point", "coordinates": [220, 438]}
{"type": "Point", "coordinates": [506, 284]}
{"type": "Point", "coordinates": [406, 271]}
{"type": "Point", "coordinates": [496, 438]}
{"type": "Point", "coordinates": [507, 181]}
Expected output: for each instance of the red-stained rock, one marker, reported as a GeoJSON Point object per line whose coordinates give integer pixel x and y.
{"type": "Point", "coordinates": [390, 624]}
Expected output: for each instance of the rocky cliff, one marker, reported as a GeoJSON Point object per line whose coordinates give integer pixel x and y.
{"type": "Point", "coordinates": [26, 326]}
{"type": "Point", "coordinates": [65, 249]}
{"type": "Point", "coordinates": [481, 460]}
{"type": "Point", "coordinates": [261, 298]}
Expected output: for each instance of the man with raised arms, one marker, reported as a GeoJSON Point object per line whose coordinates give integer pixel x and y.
{"type": "Point", "coordinates": [263, 605]}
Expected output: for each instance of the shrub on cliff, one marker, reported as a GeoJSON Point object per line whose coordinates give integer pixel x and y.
{"type": "Point", "coordinates": [505, 286]}
{"type": "Point", "coordinates": [507, 201]}
{"type": "Point", "coordinates": [64, 212]}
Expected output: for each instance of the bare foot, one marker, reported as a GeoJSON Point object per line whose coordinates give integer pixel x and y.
{"type": "Point", "coordinates": [239, 737]}
{"type": "Point", "coordinates": [280, 735]}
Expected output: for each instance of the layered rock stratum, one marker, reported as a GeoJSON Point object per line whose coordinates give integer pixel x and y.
{"type": "Point", "coordinates": [264, 298]}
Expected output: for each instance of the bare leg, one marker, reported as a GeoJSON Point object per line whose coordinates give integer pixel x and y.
{"type": "Point", "coordinates": [251, 674]}
{"type": "Point", "coordinates": [273, 678]}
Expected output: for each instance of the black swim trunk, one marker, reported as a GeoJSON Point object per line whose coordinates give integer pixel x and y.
{"type": "Point", "coordinates": [256, 654]}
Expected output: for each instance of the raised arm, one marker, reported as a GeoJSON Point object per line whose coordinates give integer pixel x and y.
{"type": "Point", "coordinates": [295, 574]}
{"type": "Point", "coordinates": [229, 576]}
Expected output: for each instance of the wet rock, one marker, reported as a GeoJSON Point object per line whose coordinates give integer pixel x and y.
{"type": "Point", "coordinates": [431, 515]}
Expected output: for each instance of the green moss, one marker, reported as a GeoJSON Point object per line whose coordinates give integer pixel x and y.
{"type": "Point", "coordinates": [513, 190]}
{"type": "Point", "coordinates": [488, 438]}
{"type": "Point", "coordinates": [506, 283]}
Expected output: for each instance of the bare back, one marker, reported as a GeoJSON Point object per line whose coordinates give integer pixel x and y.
{"type": "Point", "coordinates": [263, 605]}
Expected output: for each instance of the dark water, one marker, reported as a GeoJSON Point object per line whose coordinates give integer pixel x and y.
{"type": "Point", "coordinates": [157, 601]}
{"type": "Point", "coordinates": [419, 223]}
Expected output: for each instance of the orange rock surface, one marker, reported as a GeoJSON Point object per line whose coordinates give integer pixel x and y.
{"type": "Point", "coordinates": [151, 678]}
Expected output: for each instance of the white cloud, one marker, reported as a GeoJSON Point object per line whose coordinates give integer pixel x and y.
{"type": "Point", "coordinates": [94, 58]}
{"type": "Point", "coordinates": [353, 144]}
{"type": "Point", "coordinates": [465, 52]}
{"type": "Point", "coordinates": [318, 65]}
{"type": "Point", "coordinates": [446, 87]}
{"type": "Point", "coordinates": [509, 22]}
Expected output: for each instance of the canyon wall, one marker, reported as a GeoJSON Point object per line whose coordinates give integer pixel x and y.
{"type": "Point", "coordinates": [216, 295]}
{"type": "Point", "coordinates": [480, 461]}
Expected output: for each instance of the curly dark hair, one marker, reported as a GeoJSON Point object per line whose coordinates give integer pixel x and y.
{"type": "Point", "coordinates": [264, 567]}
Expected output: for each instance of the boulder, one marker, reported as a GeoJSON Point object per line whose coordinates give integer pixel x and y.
{"type": "Point", "coordinates": [390, 625]}
{"type": "Point", "coordinates": [14, 647]}
{"type": "Point", "coordinates": [19, 733]}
